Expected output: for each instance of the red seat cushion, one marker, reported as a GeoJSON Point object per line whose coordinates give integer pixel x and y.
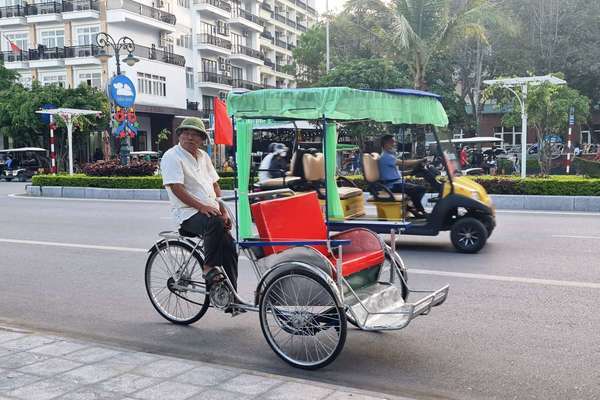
{"type": "Point", "coordinates": [299, 217]}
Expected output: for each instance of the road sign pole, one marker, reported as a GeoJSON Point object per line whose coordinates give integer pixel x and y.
{"type": "Point", "coordinates": [52, 150]}
{"type": "Point", "coordinates": [524, 132]}
{"type": "Point", "coordinates": [569, 142]}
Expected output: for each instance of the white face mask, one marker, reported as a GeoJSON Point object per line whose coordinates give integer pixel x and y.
{"type": "Point", "coordinates": [283, 154]}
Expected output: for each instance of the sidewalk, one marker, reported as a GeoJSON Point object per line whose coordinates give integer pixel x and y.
{"type": "Point", "coordinates": [34, 366]}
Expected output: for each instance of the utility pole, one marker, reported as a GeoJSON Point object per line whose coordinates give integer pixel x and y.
{"type": "Point", "coordinates": [327, 34]}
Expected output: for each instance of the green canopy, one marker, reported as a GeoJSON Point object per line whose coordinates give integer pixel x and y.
{"type": "Point", "coordinates": [395, 106]}
{"type": "Point", "coordinates": [340, 103]}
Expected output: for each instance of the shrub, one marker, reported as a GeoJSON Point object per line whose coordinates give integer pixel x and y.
{"type": "Point", "coordinates": [110, 182]}
{"type": "Point", "coordinates": [587, 167]}
{"type": "Point", "coordinates": [114, 168]}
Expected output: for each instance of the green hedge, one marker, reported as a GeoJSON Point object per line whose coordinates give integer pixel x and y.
{"type": "Point", "coordinates": [130, 182]}
{"type": "Point", "coordinates": [587, 167]}
{"type": "Point", "coordinates": [552, 186]}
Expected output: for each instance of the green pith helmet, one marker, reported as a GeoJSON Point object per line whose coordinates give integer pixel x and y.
{"type": "Point", "coordinates": [193, 123]}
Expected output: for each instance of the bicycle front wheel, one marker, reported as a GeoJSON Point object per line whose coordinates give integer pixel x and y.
{"type": "Point", "coordinates": [174, 282]}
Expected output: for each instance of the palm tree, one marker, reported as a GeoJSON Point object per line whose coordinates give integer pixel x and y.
{"type": "Point", "coordinates": [417, 30]}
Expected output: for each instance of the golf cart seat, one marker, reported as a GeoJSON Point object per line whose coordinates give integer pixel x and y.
{"type": "Point", "coordinates": [351, 196]}
{"type": "Point", "coordinates": [299, 217]}
{"type": "Point", "coordinates": [389, 205]}
{"type": "Point", "coordinates": [293, 178]}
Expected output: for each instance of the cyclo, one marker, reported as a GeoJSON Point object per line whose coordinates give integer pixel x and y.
{"type": "Point", "coordinates": [311, 281]}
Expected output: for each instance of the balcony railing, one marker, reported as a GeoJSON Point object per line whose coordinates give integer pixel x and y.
{"type": "Point", "coordinates": [215, 78]}
{"type": "Point", "coordinates": [240, 12]}
{"type": "Point", "coordinates": [80, 5]}
{"type": "Point", "coordinates": [142, 9]}
{"type": "Point", "coordinates": [191, 105]}
{"type": "Point", "coordinates": [290, 22]}
{"type": "Point", "coordinates": [279, 17]}
{"type": "Point", "coordinates": [283, 68]}
{"type": "Point", "coordinates": [223, 5]}
{"type": "Point", "coordinates": [311, 10]}
{"type": "Point", "coordinates": [90, 50]}
{"type": "Point", "coordinates": [239, 49]}
{"type": "Point", "coordinates": [300, 27]}
{"type": "Point", "coordinates": [13, 11]}
{"type": "Point", "coordinates": [240, 83]}
{"type": "Point", "coordinates": [281, 43]}
{"type": "Point", "coordinates": [205, 38]}
{"type": "Point", "coordinates": [267, 7]}
{"type": "Point", "coordinates": [267, 35]}
{"type": "Point", "coordinates": [291, 46]}
{"type": "Point", "coordinates": [152, 53]}
{"type": "Point", "coordinates": [269, 63]}
{"type": "Point", "coordinates": [301, 3]}
{"type": "Point", "coordinates": [44, 8]}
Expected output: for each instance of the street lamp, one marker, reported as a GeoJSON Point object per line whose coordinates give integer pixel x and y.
{"type": "Point", "coordinates": [509, 84]}
{"type": "Point", "coordinates": [106, 42]}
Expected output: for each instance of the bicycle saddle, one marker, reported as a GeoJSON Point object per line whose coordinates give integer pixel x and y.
{"type": "Point", "coordinates": [185, 233]}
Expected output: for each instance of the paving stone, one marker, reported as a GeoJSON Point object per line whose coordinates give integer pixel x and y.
{"type": "Point", "coordinates": [165, 368]}
{"type": "Point", "coordinates": [129, 360]}
{"type": "Point", "coordinates": [43, 390]}
{"type": "Point", "coordinates": [13, 380]}
{"type": "Point", "coordinates": [216, 394]}
{"type": "Point", "coordinates": [28, 342]}
{"type": "Point", "coordinates": [127, 383]}
{"type": "Point", "coordinates": [206, 375]}
{"type": "Point", "coordinates": [338, 395]}
{"type": "Point", "coordinates": [59, 348]}
{"type": "Point", "coordinates": [90, 374]}
{"type": "Point", "coordinates": [88, 393]}
{"type": "Point", "coordinates": [250, 384]}
{"type": "Point", "coordinates": [20, 359]}
{"type": "Point", "coordinates": [296, 391]}
{"type": "Point", "coordinates": [4, 352]}
{"type": "Point", "coordinates": [50, 367]}
{"type": "Point", "coordinates": [92, 354]}
{"type": "Point", "coordinates": [5, 336]}
{"type": "Point", "coordinates": [168, 391]}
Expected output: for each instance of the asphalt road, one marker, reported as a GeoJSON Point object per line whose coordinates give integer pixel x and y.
{"type": "Point", "coordinates": [521, 320]}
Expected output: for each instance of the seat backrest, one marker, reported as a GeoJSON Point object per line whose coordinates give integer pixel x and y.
{"type": "Point", "coordinates": [371, 167]}
{"type": "Point", "coordinates": [296, 164]}
{"type": "Point", "coordinates": [294, 218]}
{"type": "Point", "coordinates": [314, 167]}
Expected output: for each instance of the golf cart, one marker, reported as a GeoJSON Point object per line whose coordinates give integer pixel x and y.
{"type": "Point", "coordinates": [482, 153]}
{"type": "Point", "coordinates": [460, 205]}
{"type": "Point", "coordinates": [26, 162]}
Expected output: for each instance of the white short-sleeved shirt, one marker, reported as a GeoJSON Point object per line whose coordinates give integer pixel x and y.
{"type": "Point", "coordinates": [197, 174]}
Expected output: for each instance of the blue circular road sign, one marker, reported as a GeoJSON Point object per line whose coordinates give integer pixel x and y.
{"type": "Point", "coordinates": [121, 91]}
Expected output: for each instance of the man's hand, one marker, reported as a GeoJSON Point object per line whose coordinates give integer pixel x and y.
{"type": "Point", "coordinates": [209, 211]}
{"type": "Point", "coordinates": [226, 221]}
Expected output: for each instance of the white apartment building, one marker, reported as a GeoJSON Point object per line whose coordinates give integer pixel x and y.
{"type": "Point", "coordinates": [190, 50]}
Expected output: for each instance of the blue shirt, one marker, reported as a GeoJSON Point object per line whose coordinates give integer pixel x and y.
{"type": "Point", "coordinates": [388, 172]}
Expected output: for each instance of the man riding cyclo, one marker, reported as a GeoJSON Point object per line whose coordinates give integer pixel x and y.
{"type": "Point", "coordinates": [192, 185]}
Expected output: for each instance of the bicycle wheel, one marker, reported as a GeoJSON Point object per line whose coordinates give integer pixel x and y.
{"type": "Point", "coordinates": [301, 321]}
{"type": "Point", "coordinates": [177, 300]}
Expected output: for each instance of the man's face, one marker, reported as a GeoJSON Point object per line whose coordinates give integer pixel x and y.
{"type": "Point", "coordinates": [191, 139]}
{"type": "Point", "coordinates": [390, 145]}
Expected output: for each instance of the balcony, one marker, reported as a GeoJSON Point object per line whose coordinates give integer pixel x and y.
{"type": "Point", "coordinates": [212, 80]}
{"type": "Point", "coordinates": [191, 105]}
{"type": "Point", "coordinates": [213, 44]}
{"type": "Point", "coordinates": [301, 3]}
{"type": "Point", "coordinates": [154, 54]}
{"type": "Point", "coordinates": [129, 11]}
{"type": "Point", "coordinates": [246, 19]}
{"type": "Point", "coordinates": [284, 68]}
{"type": "Point", "coordinates": [301, 28]}
{"type": "Point", "coordinates": [311, 10]}
{"type": "Point", "coordinates": [213, 8]}
{"type": "Point", "coordinates": [281, 43]}
{"type": "Point", "coordinates": [80, 9]}
{"type": "Point", "coordinates": [82, 55]}
{"type": "Point", "coordinates": [266, 7]}
{"type": "Point", "coordinates": [290, 22]}
{"type": "Point", "coordinates": [291, 46]}
{"type": "Point", "coordinates": [44, 12]}
{"type": "Point", "coordinates": [279, 17]}
{"type": "Point", "coordinates": [12, 15]}
{"type": "Point", "coordinates": [240, 83]}
{"type": "Point", "coordinates": [269, 63]}
{"type": "Point", "coordinates": [12, 60]}
{"type": "Point", "coordinates": [246, 55]}
{"type": "Point", "coordinates": [47, 57]}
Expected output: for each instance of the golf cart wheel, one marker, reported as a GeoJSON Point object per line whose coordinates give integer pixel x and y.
{"type": "Point", "coordinates": [468, 235]}
{"type": "Point", "coordinates": [301, 320]}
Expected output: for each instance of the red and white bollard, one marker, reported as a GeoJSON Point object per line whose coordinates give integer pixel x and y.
{"type": "Point", "coordinates": [569, 142]}
{"type": "Point", "coordinates": [52, 151]}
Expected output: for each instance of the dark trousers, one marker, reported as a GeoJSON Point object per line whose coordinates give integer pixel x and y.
{"type": "Point", "coordinates": [415, 192]}
{"type": "Point", "coordinates": [219, 246]}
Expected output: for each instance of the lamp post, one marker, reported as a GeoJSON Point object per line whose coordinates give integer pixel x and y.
{"type": "Point", "coordinates": [509, 84]}
{"type": "Point", "coordinates": [106, 42]}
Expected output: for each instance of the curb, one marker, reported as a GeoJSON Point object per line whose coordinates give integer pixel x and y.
{"type": "Point", "coordinates": [501, 201]}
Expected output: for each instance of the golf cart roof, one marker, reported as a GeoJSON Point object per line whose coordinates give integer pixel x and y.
{"type": "Point", "coordinates": [474, 140]}
{"type": "Point", "coordinates": [396, 106]}
{"type": "Point", "coordinates": [23, 149]}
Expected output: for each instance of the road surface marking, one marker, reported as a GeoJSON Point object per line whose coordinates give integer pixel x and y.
{"type": "Point", "coordinates": [576, 237]}
{"type": "Point", "coordinates": [79, 246]}
{"type": "Point", "coordinates": [567, 213]}
{"type": "Point", "coordinates": [547, 282]}
{"type": "Point", "coordinates": [25, 196]}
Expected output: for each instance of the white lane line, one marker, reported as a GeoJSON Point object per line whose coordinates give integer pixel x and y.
{"type": "Point", "coordinates": [27, 197]}
{"type": "Point", "coordinates": [546, 282]}
{"type": "Point", "coordinates": [576, 237]}
{"type": "Point", "coordinates": [567, 213]}
{"type": "Point", "coordinates": [78, 246]}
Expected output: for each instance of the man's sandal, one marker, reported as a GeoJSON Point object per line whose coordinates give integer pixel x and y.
{"type": "Point", "coordinates": [213, 277]}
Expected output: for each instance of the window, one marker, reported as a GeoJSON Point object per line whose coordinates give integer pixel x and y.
{"type": "Point", "coordinates": [53, 38]}
{"type": "Point", "coordinates": [57, 79]}
{"type": "Point", "coordinates": [152, 84]}
{"type": "Point", "coordinates": [208, 103]}
{"type": "Point", "coordinates": [209, 29]}
{"type": "Point", "coordinates": [86, 35]}
{"type": "Point", "coordinates": [90, 78]}
{"type": "Point", "coordinates": [236, 40]}
{"type": "Point", "coordinates": [237, 73]}
{"type": "Point", "coordinates": [189, 78]}
{"type": "Point", "coordinates": [184, 41]}
{"type": "Point", "coordinates": [183, 3]}
{"type": "Point", "coordinates": [510, 136]}
{"type": "Point", "coordinates": [209, 65]}
{"type": "Point", "coordinates": [20, 39]}
{"type": "Point", "coordinates": [25, 80]}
